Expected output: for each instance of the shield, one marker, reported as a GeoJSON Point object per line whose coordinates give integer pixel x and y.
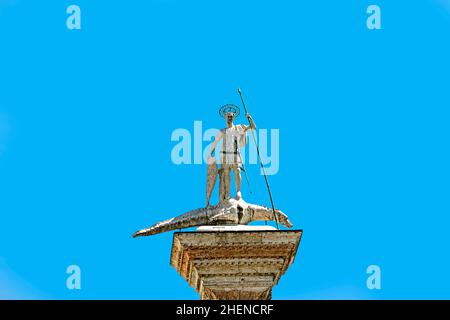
{"type": "Point", "coordinates": [213, 170]}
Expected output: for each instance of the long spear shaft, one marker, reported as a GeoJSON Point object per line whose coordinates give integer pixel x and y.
{"type": "Point", "coordinates": [260, 160]}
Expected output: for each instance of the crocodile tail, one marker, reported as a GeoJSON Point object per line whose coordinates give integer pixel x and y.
{"type": "Point", "coordinates": [192, 218]}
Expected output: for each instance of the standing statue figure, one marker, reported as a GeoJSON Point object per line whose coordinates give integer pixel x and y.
{"type": "Point", "coordinates": [233, 138]}
{"type": "Point", "coordinates": [228, 211]}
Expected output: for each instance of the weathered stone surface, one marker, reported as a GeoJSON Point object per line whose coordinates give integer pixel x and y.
{"type": "Point", "coordinates": [229, 265]}
{"type": "Point", "coordinates": [227, 212]}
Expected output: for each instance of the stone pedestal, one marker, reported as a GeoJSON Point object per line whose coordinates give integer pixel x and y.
{"type": "Point", "coordinates": [234, 263]}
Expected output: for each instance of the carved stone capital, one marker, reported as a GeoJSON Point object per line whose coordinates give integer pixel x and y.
{"type": "Point", "coordinates": [227, 265]}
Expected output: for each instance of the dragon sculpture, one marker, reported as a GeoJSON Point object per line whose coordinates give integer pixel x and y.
{"type": "Point", "coordinates": [230, 211]}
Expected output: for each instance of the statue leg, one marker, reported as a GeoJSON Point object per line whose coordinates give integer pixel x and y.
{"type": "Point", "coordinates": [237, 181]}
{"type": "Point", "coordinates": [221, 189]}
{"type": "Point", "coordinates": [225, 179]}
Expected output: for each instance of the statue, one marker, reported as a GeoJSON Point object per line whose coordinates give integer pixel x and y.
{"type": "Point", "coordinates": [233, 138]}
{"type": "Point", "coordinates": [229, 210]}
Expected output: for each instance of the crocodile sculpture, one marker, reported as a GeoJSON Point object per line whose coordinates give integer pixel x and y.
{"type": "Point", "coordinates": [230, 211]}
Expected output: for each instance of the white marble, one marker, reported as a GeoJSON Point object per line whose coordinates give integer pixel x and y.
{"type": "Point", "coordinates": [236, 227]}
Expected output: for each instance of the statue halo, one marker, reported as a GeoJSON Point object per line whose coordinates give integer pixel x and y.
{"type": "Point", "coordinates": [229, 108]}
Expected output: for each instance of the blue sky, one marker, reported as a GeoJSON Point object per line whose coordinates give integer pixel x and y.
{"type": "Point", "coordinates": [86, 118]}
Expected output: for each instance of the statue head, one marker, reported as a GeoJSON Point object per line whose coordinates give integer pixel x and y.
{"type": "Point", "coordinates": [229, 117]}
{"type": "Point", "coordinates": [229, 112]}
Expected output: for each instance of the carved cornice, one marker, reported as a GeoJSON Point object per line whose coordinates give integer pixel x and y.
{"type": "Point", "coordinates": [234, 264]}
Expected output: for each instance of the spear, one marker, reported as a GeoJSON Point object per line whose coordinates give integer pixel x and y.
{"type": "Point", "coordinates": [260, 159]}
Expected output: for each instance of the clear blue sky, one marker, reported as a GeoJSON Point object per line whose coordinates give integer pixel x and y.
{"type": "Point", "coordinates": [86, 118]}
